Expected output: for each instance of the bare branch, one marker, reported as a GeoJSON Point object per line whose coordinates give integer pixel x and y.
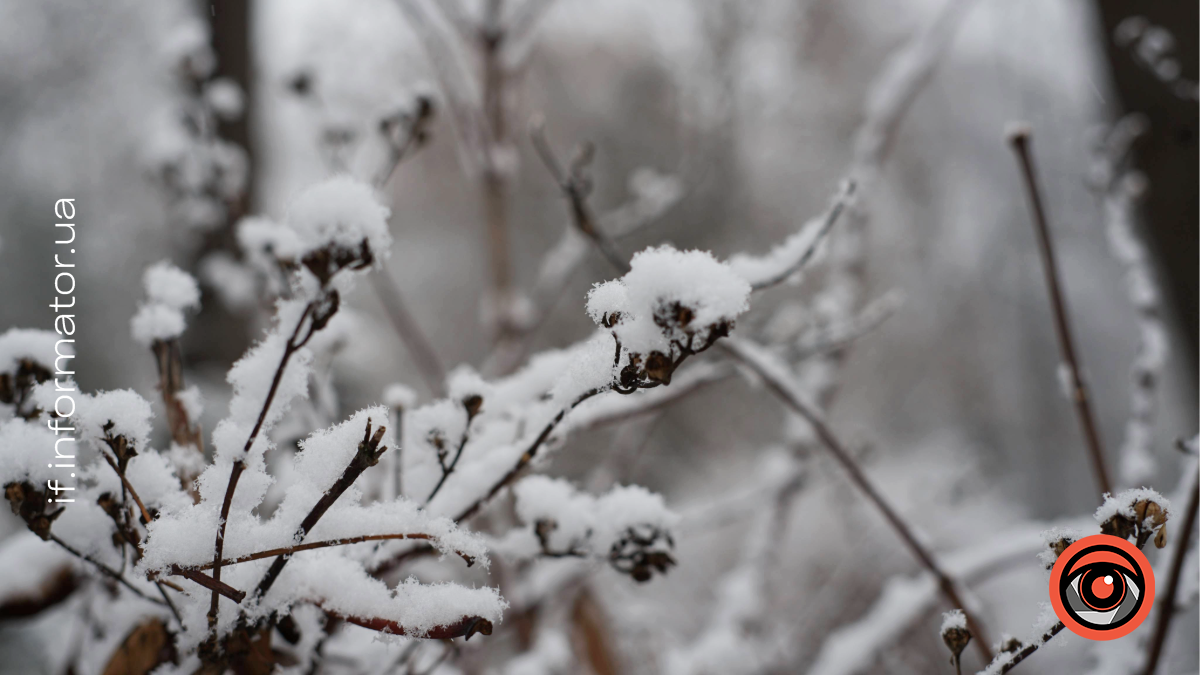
{"type": "Point", "coordinates": [369, 452]}
{"type": "Point", "coordinates": [308, 546]}
{"type": "Point", "coordinates": [1166, 602]}
{"type": "Point", "coordinates": [1020, 140]}
{"type": "Point", "coordinates": [752, 357]}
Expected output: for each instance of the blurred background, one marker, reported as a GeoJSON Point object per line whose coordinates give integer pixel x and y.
{"type": "Point", "coordinates": [171, 120]}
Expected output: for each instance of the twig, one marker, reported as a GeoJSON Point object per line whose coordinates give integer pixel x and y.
{"type": "Point", "coordinates": [1020, 140]}
{"type": "Point", "coordinates": [211, 584]}
{"type": "Point", "coordinates": [1166, 602]}
{"type": "Point", "coordinates": [108, 571]}
{"type": "Point", "coordinates": [289, 550]}
{"type": "Point", "coordinates": [423, 354]}
{"type": "Point", "coordinates": [159, 585]}
{"type": "Point", "coordinates": [294, 343]}
{"type": "Point", "coordinates": [128, 486]}
{"type": "Point", "coordinates": [744, 353]}
{"type": "Point", "coordinates": [464, 628]}
{"type": "Point", "coordinates": [472, 404]}
{"type": "Point", "coordinates": [526, 457]}
{"type": "Point", "coordinates": [367, 456]}
{"type": "Point", "coordinates": [844, 194]}
{"type": "Point", "coordinates": [576, 186]}
{"type": "Point", "coordinates": [1029, 649]}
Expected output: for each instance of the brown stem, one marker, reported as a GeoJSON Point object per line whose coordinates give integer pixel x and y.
{"type": "Point", "coordinates": [423, 354]}
{"type": "Point", "coordinates": [294, 343]}
{"type": "Point", "coordinates": [1020, 141]}
{"type": "Point", "coordinates": [1166, 602]}
{"type": "Point", "coordinates": [108, 571]}
{"type": "Point", "coordinates": [575, 187]}
{"type": "Point", "coordinates": [472, 410]}
{"type": "Point", "coordinates": [464, 628]}
{"type": "Point", "coordinates": [367, 456]}
{"type": "Point", "coordinates": [128, 486]}
{"type": "Point", "coordinates": [785, 392]}
{"type": "Point", "coordinates": [289, 550]}
{"type": "Point", "coordinates": [211, 584]}
{"type": "Point", "coordinates": [169, 360]}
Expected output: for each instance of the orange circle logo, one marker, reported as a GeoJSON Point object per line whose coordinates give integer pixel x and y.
{"type": "Point", "coordinates": [1102, 587]}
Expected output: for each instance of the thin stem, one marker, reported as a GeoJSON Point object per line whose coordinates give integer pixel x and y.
{"type": "Point", "coordinates": [128, 486]}
{"type": "Point", "coordinates": [108, 571]}
{"type": "Point", "coordinates": [210, 583]}
{"type": "Point", "coordinates": [289, 550]}
{"type": "Point", "coordinates": [575, 187]}
{"type": "Point", "coordinates": [1166, 602]}
{"type": "Point", "coordinates": [526, 457]}
{"type": "Point", "coordinates": [294, 343]}
{"type": "Point", "coordinates": [167, 599]}
{"type": "Point", "coordinates": [840, 201]}
{"type": "Point", "coordinates": [1030, 648]}
{"type": "Point", "coordinates": [367, 456]}
{"type": "Point", "coordinates": [420, 349]}
{"type": "Point", "coordinates": [1020, 141]}
{"type": "Point", "coordinates": [784, 390]}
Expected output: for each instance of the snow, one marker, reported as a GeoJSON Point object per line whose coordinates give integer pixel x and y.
{"type": "Point", "coordinates": [343, 212]}
{"type": "Point", "coordinates": [25, 450]}
{"type": "Point", "coordinates": [586, 523]}
{"type": "Point", "coordinates": [168, 285]}
{"type": "Point", "coordinates": [953, 619]}
{"type": "Point", "coordinates": [788, 257]}
{"type": "Point", "coordinates": [156, 322]}
{"type": "Point", "coordinates": [32, 344]}
{"type": "Point", "coordinates": [399, 396]}
{"type": "Point", "coordinates": [126, 410]}
{"type": "Point", "coordinates": [658, 279]}
{"type": "Point", "coordinates": [1123, 504]}
{"type": "Point", "coordinates": [192, 402]}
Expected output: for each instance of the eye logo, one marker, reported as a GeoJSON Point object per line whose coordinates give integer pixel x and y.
{"type": "Point", "coordinates": [1102, 587]}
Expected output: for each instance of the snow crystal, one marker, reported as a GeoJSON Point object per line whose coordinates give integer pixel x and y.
{"type": "Point", "coordinates": [341, 211]}
{"type": "Point", "coordinates": [168, 285]}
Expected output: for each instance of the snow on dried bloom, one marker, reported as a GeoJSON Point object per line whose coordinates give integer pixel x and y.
{"type": "Point", "coordinates": [1139, 512]}
{"type": "Point", "coordinates": [954, 631]}
{"type": "Point", "coordinates": [156, 323]}
{"type": "Point", "coordinates": [28, 358]}
{"type": "Point", "coordinates": [122, 412]}
{"type": "Point", "coordinates": [1057, 540]}
{"type": "Point", "coordinates": [340, 224]}
{"type": "Point", "coordinates": [27, 344]}
{"type": "Point", "coordinates": [18, 462]}
{"type": "Point", "coordinates": [670, 304]}
{"type": "Point", "coordinates": [168, 285]}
